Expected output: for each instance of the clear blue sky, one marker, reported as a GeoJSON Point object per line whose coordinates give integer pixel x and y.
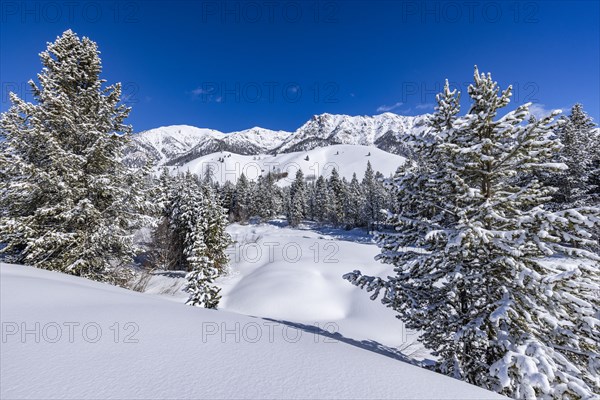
{"type": "Point", "coordinates": [233, 65]}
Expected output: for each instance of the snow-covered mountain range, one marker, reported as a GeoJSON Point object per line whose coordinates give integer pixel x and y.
{"type": "Point", "coordinates": [180, 144]}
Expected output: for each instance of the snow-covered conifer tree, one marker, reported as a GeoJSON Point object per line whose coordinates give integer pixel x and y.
{"type": "Point", "coordinates": [196, 239]}
{"type": "Point", "coordinates": [205, 245]}
{"type": "Point", "coordinates": [241, 199]}
{"type": "Point", "coordinates": [576, 185]}
{"type": "Point", "coordinates": [354, 203]}
{"type": "Point", "coordinates": [322, 200]}
{"type": "Point", "coordinates": [215, 237]}
{"type": "Point", "coordinates": [70, 204]}
{"type": "Point", "coordinates": [374, 195]}
{"type": "Point", "coordinates": [275, 201]}
{"type": "Point", "coordinates": [266, 199]}
{"type": "Point", "coordinates": [159, 252]}
{"type": "Point", "coordinates": [337, 196]}
{"type": "Point", "coordinates": [184, 212]}
{"type": "Point", "coordinates": [203, 272]}
{"type": "Point", "coordinates": [468, 253]}
{"type": "Point", "coordinates": [368, 184]}
{"type": "Point", "coordinates": [226, 198]}
{"type": "Point", "coordinates": [257, 199]}
{"type": "Point", "coordinates": [297, 199]}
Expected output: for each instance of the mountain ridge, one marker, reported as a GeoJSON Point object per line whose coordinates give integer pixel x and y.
{"type": "Point", "coordinates": [178, 144]}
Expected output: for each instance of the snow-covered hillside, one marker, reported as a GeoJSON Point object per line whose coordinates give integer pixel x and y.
{"type": "Point", "coordinates": [179, 144]}
{"type": "Point", "coordinates": [67, 337]}
{"type": "Point", "coordinates": [347, 159]}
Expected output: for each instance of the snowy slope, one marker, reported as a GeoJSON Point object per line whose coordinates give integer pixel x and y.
{"type": "Point", "coordinates": [347, 159]}
{"type": "Point", "coordinates": [168, 350]}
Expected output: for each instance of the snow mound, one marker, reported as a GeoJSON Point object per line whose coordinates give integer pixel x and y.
{"type": "Point", "coordinates": [295, 275]}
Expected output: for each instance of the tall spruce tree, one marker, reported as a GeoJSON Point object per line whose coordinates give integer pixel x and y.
{"type": "Point", "coordinates": [159, 252]}
{"type": "Point", "coordinates": [241, 204]}
{"type": "Point", "coordinates": [266, 197]}
{"type": "Point", "coordinates": [257, 200]}
{"type": "Point", "coordinates": [580, 152]}
{"type": "Point", "coordinates": [374, 194]}
{"type": "Point", "coordinates": [200, 279]}
{"type": "Point", "coordinates": [337, 196]}
{"type": "Point", "coordinates": [322, 200]}
{"type": "Point", "coordinates": [226, 198]}
{"type": "Point", "coordinates": [297, 201]}
{"type": "Point", "coordinates": [467, 252]}
{"type": "Point", "coordinates": [370, 206]}
{"type": "Point", "coordinates": [354, 203]}
{"type": "Point", "coordinates": [70, 204]}
{"type": "Point", "coordinates": [185, 213]}
{"type": "Point", "coordinates": [215, 237]}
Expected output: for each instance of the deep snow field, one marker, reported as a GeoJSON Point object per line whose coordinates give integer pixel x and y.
{"type": "Point", "coordinates": [288, 327]}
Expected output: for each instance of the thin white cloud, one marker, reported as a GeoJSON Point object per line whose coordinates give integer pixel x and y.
{"type": "Point", "coordinates": [540, 111]}
{"type": "Point", "coordinates": [426, 106]}
{"type": "Point", "coordinates": [206, 95]}
{"type": "Point", "coordinates": [198, 91]}
{"type": "Point", "coordinates": [385, 108]}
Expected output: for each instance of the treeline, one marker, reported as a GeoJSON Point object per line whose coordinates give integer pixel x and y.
{"type": "Point", "coordinates": [333, 200]}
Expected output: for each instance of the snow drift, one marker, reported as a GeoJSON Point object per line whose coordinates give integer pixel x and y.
{"type": "Point", "coordinates": [67, 337]}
